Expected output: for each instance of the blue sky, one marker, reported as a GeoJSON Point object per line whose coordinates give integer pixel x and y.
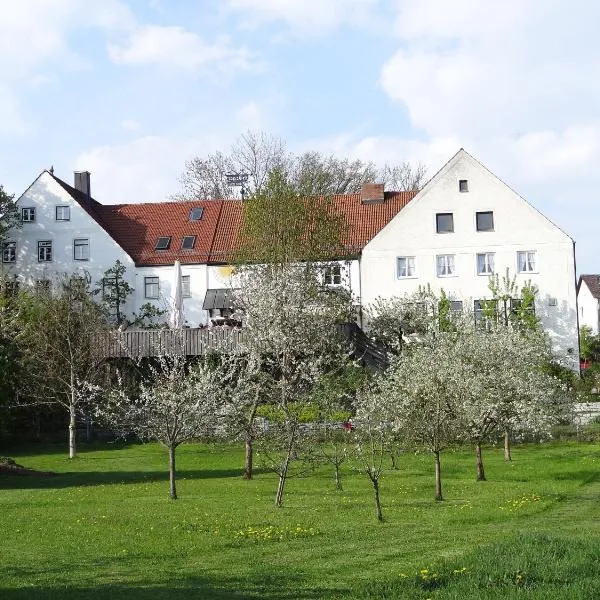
{"type": "Point", "coordinates": [130, 89]}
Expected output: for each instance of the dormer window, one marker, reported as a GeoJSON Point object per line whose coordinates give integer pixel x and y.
{"type": "Point", "coordinates": [63, 213]}
{"type": "Point", "coordinates": [196, 213]}
{"type": "Point", "coordinates": [28, 215]}
{"type": "Point", "coordinates": [188, 243]}
{"type": "Point", "coordinates": [463, 185]}
{"type": "Point", "coordinates": [163, 243]}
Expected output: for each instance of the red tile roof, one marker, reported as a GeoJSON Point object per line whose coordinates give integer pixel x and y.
{"type": "Point", "coordinates": [136, 227]}
{"type": "Point", "coordinates": [593, 283]}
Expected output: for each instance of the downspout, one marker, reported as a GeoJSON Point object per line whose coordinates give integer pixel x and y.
{"type": "Point", "coordinates": [210, 253]}
{"type": "Point", "coordinates": [577, 311]}
{"type": "Point", "coordinates": [360, 305]}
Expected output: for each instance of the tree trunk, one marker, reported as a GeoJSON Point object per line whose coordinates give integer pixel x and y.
{"type": "Point", "coordinates": [438, 477]}
{"type": "Point", "coordinates": [507, 456]}
{"type": "Point", "coordinates": [249, 458]}
{"type": "Point", "coordinates": [377, 500]}
{"type": "Point", "coordinates": [72, 430]}
{"type": "Point", "coordinates": [172, 487]}
{"type": "Point", "coordinates": [393, 457]}
{"type": "Point", "coordinates": [281, 484]}
{"type": "Point", "coordinates": [89, 431]}
{"type": "Point", "coordinates": [479, 462]}
{"type": "Point", "coordinates": [338, 481]}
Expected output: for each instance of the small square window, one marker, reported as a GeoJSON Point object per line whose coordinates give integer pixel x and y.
{"type": "Point", "coordinates": [185, 286]}
{"type": "Point", "coordinates": [163, 243]}
{"type": "Point", "coordinates": [151, 287]}
{"type": "Point", "coordinates": [463, 185]}
{"type": "Point", "coordinates": [445, 265]}
{"type": "Point", "coordinates": [456, 306]}
{"type": "Point", "coordinates": [188, 243]}
{"type": "Point", "coordinates": [484, 221]}
{"type": "Point", "coordinates": [63, 213]}
{"type": "Point", "coordinates": [28, 215]}
{"type": "Point", "coordinates": [444, 222]}
{"type": "Point", "coordinates": [196, 213]}
{"type": "Point", "coordinates": [81, 249]}
{"type": "Point", "coordinates": [9, 252]}
{"type": "Point", "coordinates": [332, 275]}
{"type": "Point", "coordinates": [485, 263]}
{"type": "Point", "coordinates": [526, 261]}
{"type": "Point", "coordinates": [406, 266]}
{"type": "Point", "coordinates": [45, 251]}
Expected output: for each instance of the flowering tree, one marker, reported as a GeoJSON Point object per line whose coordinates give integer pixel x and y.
{"type": "Point", "coordinates": [372, 432]}
{"type": "Point", "coordinates": [423, 390]}
{"type": "Point", "coordinates": [175, 403]}
{"type": "Point", "coordinates": [291, 321]}
{"type": "Point", "coordinates": [59, 348]}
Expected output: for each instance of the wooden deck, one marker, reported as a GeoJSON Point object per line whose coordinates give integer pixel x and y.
{"type": "Point", "coordinates": [196, 342]}
{"type": "Point", "coordinates": [154, 342]}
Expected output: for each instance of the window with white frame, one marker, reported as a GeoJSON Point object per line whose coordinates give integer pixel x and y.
{"type": "Point", "coordinates": [406, 267]}
{"type": "Point", "coordinates": [28, 215]}
{"type": "Point", "coordinates": [332, 275]}
{"type": "Point", "coordinates": [151, 287]}
{"type": "Point", "coordinates": [526, 261]}
{"type": "Point", "coordinates": [185, 286]}
{"type": "Point", "coordinates": [9, 252]}
{"type": "Point", "coordinates": [45, 251]}
{"type": "Point", "coordinates": [63, 213]}
{"type": "Point", "coordinates": [81, 249]}
{"type": "Point", "coordinates": [485, 263]}
{"type": "Point", "coordinates": [445, 265]}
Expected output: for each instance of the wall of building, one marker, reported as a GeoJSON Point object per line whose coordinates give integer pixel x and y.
{"type": "Point", "coordinates": [588, 308]}
{"type": "Point", "coordinates": [45, 194]}
{"type": "Point", "coordinates": [517, 227]}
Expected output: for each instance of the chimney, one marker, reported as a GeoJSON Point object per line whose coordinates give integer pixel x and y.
{"type": "Point", "coordinates": [82, 183]}
{"type": "Point", "coordinates": [372, 193]}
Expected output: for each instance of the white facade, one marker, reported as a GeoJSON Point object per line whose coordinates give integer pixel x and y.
{"type": "Point", "coordinates": [512, 234]}
{"type": "Point", "coordinates": [589, 307]}
{"type": "Point", "coordinates": [517, 227]}
{"type": "Point", "coordinates": [61, 221]}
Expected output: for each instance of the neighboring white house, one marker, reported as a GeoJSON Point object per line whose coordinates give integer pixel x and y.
{"type": "Point", "coordinates": [588, 299]}
{"type": "Point", "coordinates": [462, 226]}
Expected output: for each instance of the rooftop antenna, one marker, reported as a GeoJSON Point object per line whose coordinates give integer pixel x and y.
{"type": "Point", "coordinates": [238, 180]}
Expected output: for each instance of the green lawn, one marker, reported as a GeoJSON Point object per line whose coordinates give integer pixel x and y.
{"type": "Point", "coordinates": [105, 528]}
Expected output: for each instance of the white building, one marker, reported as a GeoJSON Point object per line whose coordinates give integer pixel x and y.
{"type": "Point", "coordinates": [462, 226]}
{"type": "Point", "coordinates": [588, 299]}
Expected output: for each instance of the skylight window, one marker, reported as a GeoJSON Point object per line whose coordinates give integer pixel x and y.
{"type": "Point", "coordinates": [163, 243]}
{"type": "Point", "coordinates": [188, 243]}
{"type": "Point", "coordinates": [196, 213]}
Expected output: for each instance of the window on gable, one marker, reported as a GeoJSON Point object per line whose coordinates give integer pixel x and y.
{"type": "Point", "coordinates": [163, 243]}
{"type": "Point", "coordinates": [485, 263]}
{"type": "Point", "coordinates": [332, 275]}
{"type": "Point", "coordinates": [63, 213]}
{"type": "Point", "coordinates": [196, 213]}
{"type": "Point", "coordinates": [444, 222]}
{"type": "Point", "coordinates": [463, 185]}
{"type": "Point", "coordinates": [151, 287]}
{"type": "Point", "coordinates": [406, 266]}
{"type": "Point", "coordinates": [186, 291]}
{"type": "Point", "coordinates": [81, 249]}
{"type": "Point", "coordinates": [445, 265]}
{"type": "Point", "coordinates": [526, 261]}
{"type": "Point", "coordinates": [9, 252]}
{"type": "Point", "coordinates": [484, 221]}
{"type": "Point", "coordinates": [188, 243]}
{"type": "Point", "coordinates": [28, 215]}
{"type": "Point", "coordinates": [45, 251]}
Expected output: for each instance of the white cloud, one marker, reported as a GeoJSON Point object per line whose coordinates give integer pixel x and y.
{"type": "Point", "coordinates": [34, 41]}
{"type": "Point", "coordinates": [178, 48]}
{"type": "Point", "coordinates": [145, 169]}
{"type": "Point", "coordinates": [306, 17]}
{"type": "Point", "coordinates": [130, 125]}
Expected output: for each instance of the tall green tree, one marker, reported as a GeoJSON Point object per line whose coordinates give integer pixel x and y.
{"type": "Point", "coordinates": [114, 291]}
{"type": "Point", "coordinates": [9, 214]}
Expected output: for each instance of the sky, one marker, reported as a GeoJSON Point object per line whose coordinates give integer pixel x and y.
{"type": "Point", "coordinates": [131, 89]}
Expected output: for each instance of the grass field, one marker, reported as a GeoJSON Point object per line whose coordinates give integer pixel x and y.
{"type": "Point", "coordinates": [105, 528]}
